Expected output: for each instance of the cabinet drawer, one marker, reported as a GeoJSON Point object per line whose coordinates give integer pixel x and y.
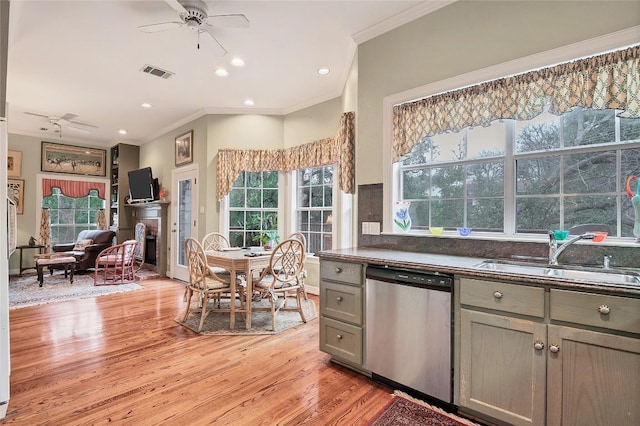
{"type": "Point", "coordinates": [341, 271]}
{"type": "Point", "coordinates": [597, 310]}
{"type": "Point", "coordinates": [341, 302]}
{"type": "Point", "coordinates": [344, 341]}
{"type": "Point", "coordinates": [519, 299]}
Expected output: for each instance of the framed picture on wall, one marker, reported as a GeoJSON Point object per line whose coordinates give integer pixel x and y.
{"type": "Point", "coordinates": [14, 163]}
{"type": "Point", "coordinates": [184, 148]}
{"type": "Point", "coordinates": [78, 160]}
{"type": "Point", "coordinates": [15, 190]}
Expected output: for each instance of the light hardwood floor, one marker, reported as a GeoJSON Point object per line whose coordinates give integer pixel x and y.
{"type": "Point", "coordinates": [122, 359]}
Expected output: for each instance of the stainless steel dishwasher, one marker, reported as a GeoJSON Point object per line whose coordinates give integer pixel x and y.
{"type": "Point", "coordinates": [408, 329]}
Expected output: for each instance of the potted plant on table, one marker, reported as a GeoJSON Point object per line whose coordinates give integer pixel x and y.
{"type": "Point", "coordinates": [269, 239]}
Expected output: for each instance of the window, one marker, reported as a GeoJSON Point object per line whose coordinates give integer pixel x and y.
{"type": "Point", "coordinates": [314, 216]}
{"type": "Point", "coordinates": [71, 215]}
{"type": "Point", "coordinates": [253, 208]}
{"type": "Point", "coordinates": [566, 170]}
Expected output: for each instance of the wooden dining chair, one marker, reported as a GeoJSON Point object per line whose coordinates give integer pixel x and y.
{"type": "Point", "coordinates": [300, 236]}
{"type": "Point", "coordinates": [282, 279]}
{"type": "Point", "coordinates": [214, 241]}
{"type": "Point", "coordinates": [115, 264]}
{"type": "Point", "coordinates": [206, 284]}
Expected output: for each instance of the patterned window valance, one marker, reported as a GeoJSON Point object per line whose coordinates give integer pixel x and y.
{"type": "Point", "coordinates": [72, 188]}
{"type": "Point", "coordinates": [607, 81]}
{"type": "Point", "coordinates": [339, 149]}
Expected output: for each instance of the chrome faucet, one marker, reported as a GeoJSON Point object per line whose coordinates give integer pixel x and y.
{"type": "Point", "coordinates": [555, 251]}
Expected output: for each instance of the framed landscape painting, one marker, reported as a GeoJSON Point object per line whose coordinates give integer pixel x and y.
{"type": "Point", "coordinates": [58, 158]}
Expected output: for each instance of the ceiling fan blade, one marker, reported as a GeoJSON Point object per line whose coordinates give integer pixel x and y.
{"type": "Point", "coordinates": [162, 26]}
{"type": "Point", "coordinates": [80, 123]}
{"type": "Point", "coordinates": [37, 115]}
{"type": "Point", "coordinates": [175, 5]}
{"type": "Point", "coordinates": [217, 47]}
{"type": "Point", "coordinates": [228, 21]}
{"type": "Point", "coordinates": [68, 117]}
{"type": "Point", "coordinates": [79, 129]}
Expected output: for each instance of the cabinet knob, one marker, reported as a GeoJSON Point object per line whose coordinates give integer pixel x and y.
{"type": "Point", "coordinates": [338, 270]}
{"type": "Point", "coordinates": [554, 348]}
{"type": "Point", "coordinates": [339, 336]}
{"type": "Point", "coordinates": [604, 309]}
{"type": "Point", "coordinates": [538, 346]}
{"type": "Point", "coordinates": [497, 294]}
{"type": "Point", "coordinates": [339, 298]}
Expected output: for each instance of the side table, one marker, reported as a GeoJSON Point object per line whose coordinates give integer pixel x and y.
{"type": "Point", "coordinates": [26, 247]}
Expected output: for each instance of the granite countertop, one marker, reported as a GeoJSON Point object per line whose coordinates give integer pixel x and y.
{"type": "Point", "coordinates": [461, 265]}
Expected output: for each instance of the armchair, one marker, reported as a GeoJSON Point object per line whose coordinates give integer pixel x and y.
{"type": "Point", "coordinates": [87, 247]}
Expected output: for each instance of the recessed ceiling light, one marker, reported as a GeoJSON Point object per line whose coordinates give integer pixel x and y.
{"type": "Point", "coordinates": [237, 62]}
{"type": "Point", "coordinates": [146, 105]}
{"type": "Point", "coordinates": [221, 72]}
{"type": "Point", "coordinates": [249, 102]}
{"type": "Point", "coordinates": [122, 131]}
{"type": "Point", "coordinates": [323, 71]}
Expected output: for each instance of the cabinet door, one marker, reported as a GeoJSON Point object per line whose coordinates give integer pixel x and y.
{"type": "Point", "coordinates": [594, 378]}
{"type": "Point", "coordinates": [502, 374]}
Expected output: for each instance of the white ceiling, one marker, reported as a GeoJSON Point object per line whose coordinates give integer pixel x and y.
{"type": "Point", "coordinates": [85, 57]}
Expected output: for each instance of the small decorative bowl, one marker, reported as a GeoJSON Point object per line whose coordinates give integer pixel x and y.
{"type": "Point", "coordinates": [600, 236]}
{"type": "Point", "coordinates": [436, 230]}
{"type": "Point", "coordinates": [560, 235]}
{"type": "Point", "coordinates": [464, 231]}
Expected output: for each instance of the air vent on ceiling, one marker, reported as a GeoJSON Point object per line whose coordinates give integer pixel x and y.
{"type": "Point", "coordinates": [158, 72]}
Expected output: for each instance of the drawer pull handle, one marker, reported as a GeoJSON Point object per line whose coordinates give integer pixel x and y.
{"type": "Point", "coordinates": [497, 294]}
{"type": "Point", "coordinates": [339, 298]}
{"type": "Point", "coordinates": [604, 309]}
{"type": "Point", "coordinates": [554, 348]}
{"type": "Point", "coordinates": [338, 270]}
{"type": "Point", "coordinates": [339, 336]}
{"type": "Point", "coordinates": [538, 346]}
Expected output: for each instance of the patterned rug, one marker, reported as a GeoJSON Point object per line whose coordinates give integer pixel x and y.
{"type": "Point", "coordinates": [217, 323]}
{"type": "Point", "coordinates": [406, 410]}
{"type": "Point", "coordinates": [25, 291]}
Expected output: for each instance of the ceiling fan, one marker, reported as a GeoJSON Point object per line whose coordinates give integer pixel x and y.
{"type": "Point", "coordinates": [194, 14]}
{"type": "Point", "coordinates": [56, 123]}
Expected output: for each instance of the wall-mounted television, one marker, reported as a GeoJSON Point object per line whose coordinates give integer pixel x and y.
{"type": "Point", "coordinates": [142, 186]}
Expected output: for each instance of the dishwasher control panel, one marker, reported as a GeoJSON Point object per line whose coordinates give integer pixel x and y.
{"type": "Point", "coordinates": [417, 278]}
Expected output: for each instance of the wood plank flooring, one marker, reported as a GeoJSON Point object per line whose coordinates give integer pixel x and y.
{"type": "Point", "coordinates": [121, 359]}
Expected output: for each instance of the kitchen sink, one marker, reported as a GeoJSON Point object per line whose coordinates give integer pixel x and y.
{"type": "Point", "coordinates": [582, 273]}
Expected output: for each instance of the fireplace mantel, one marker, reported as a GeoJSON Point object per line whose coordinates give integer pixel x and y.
{"type": "Point", "coordinates": [156, 210]}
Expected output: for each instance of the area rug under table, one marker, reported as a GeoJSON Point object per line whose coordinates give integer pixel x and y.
{"type": "Point", "coordinates": [406, 410]}
{"type": "Point", "coordinates": [218, 322]}
{"type": "Point", "coordinates": [25, 291]}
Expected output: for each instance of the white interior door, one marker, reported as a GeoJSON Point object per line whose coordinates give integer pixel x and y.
{"type": "Point", "coordinates": [184, 184]}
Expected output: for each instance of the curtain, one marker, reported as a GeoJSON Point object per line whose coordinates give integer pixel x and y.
{"type": "Point", "coordinates": [72, 188]}
{"type": "Point", "coordinates": [607, 81]}
{"type": "Point", "coordinates": [44, 235]}
{"type": "Point", "coordinates": [338, 149]}
{"type": "Point", "coordinates": [102, 220]}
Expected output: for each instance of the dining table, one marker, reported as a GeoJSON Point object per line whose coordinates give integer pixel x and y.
{"type": "Point", "coordinates": [236, 261]}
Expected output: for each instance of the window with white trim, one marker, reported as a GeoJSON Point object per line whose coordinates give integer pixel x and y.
{"type": "Point", "coordinates": [551, 172]}
{"type": "Point", "coordinates": [71, 215]}
{"type": "Point", "coordinates": [314, 206]}
{"type": "Point", "coordinates": [253, 208]}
